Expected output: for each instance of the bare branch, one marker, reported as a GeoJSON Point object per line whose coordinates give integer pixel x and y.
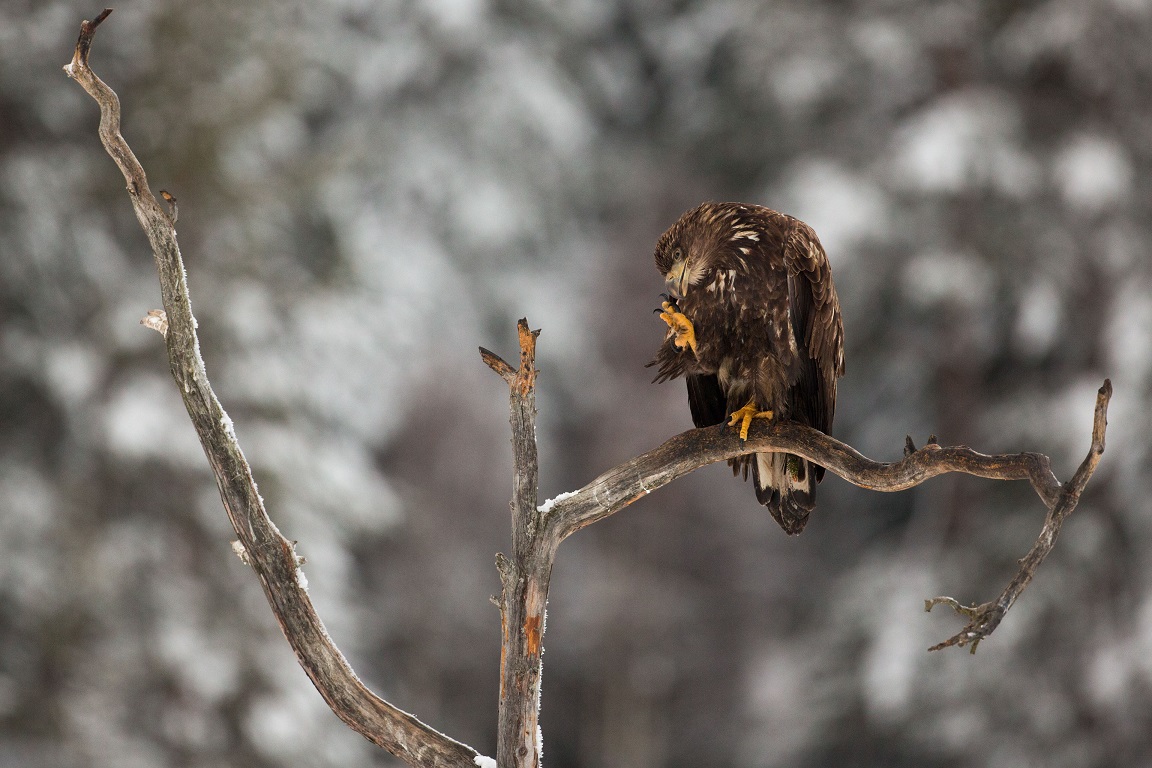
{"type": "Point", "coordinates": [496, 363]}
{"type": "Point", "coordinates": [271, 555]}
{"type": "Point", "coordinates": [624, 484]}
{"type": "Point", "coordinates": [525, 576]}
{"type": "Point", "coordinates": [984, 618]}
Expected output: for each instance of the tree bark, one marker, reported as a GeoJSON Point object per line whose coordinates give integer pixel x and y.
{"type": "Point", "coordinates": [524, 577]}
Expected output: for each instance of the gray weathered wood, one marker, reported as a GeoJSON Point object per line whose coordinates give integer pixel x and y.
{"type": "Point", "coordinates": [269, 553]}
{"type": "Point", "coordinates": [525, 575]}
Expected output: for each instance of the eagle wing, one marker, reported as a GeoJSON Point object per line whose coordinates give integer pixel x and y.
{"type": "Point", "coordinates": [817, 328]}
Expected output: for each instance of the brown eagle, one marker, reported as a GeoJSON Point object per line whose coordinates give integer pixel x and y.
{"type": "Point", "coordinates": [754, 328]}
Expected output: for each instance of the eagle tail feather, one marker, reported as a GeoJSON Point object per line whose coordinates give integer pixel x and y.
{"type": "Point", "coordinates": [786, 484]}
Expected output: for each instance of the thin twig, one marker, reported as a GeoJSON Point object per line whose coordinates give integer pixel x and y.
{"type": "Point", "coordinates": [497, 364]}
{"type": "Point", "coordinates": [271, 555]}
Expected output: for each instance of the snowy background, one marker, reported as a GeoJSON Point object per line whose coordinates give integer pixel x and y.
{"type": "Point", "coordinates": [371, 189]}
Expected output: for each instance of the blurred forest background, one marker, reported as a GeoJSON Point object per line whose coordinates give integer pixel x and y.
{"type": "Point", "coordinates": [370, 189]}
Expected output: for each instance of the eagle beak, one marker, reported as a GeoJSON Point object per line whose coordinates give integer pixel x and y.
{"type": "Point", "coordinates": [677, 277]}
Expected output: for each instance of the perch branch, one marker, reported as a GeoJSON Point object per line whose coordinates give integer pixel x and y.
{"type": "Point", "coordinates": [271, 555]}
{"type": "Point", "coordinates": [624, 484]}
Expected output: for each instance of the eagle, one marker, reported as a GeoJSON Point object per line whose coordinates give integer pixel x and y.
{"type": "Point", "coordinates": [754, 327]}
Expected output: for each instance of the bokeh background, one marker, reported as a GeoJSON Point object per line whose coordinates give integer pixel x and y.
{"type": "Point", "coordinates": [370, 189]}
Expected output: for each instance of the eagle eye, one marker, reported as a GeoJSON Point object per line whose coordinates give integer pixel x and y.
{"type": "Point", "coordinates": [677, 254]}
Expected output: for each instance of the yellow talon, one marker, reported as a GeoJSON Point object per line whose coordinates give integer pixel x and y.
{"type": "Point", "coordinates": [680, 325]}
{"type": "Point", "coordinates": [745, 415]}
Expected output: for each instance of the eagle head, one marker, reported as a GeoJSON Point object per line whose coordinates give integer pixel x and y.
{"type": "Point", "coordinates": [687, 253]}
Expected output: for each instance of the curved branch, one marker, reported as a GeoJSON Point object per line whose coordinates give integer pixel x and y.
{"type": "Point", "coordinates": [984, 618]}
{"type": "Point", "coordinates": [269, 553]}
{"type": "Point", "coordinates": [624, 484]}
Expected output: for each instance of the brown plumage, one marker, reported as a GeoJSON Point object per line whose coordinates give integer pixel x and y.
{"type": "Point", "coordinates": [756, 288]}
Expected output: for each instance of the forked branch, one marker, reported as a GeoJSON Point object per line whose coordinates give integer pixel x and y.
{"type": "Point", "coordinates": [624, 484]}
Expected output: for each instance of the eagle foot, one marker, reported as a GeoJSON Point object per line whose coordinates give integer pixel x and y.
{"type": "Point", "coordinates": [679, 325]}
{"type": "Point", "coordinates": [744, 417]}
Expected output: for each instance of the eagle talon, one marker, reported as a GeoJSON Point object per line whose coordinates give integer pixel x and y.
{"type": "Point", "coordinates": [744, 417]}
{"type": "Point", "coordinates": [679, 325]}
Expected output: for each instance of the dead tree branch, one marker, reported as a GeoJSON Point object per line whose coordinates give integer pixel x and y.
{"type": "Point", "coordinates": [271, 555]}
{"type": "Point", "coordinates": [542, 529]}
{"type": "Point", "coordinates": [524, 577]}
{"type": "Point", "coordinates": [622, 485]}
